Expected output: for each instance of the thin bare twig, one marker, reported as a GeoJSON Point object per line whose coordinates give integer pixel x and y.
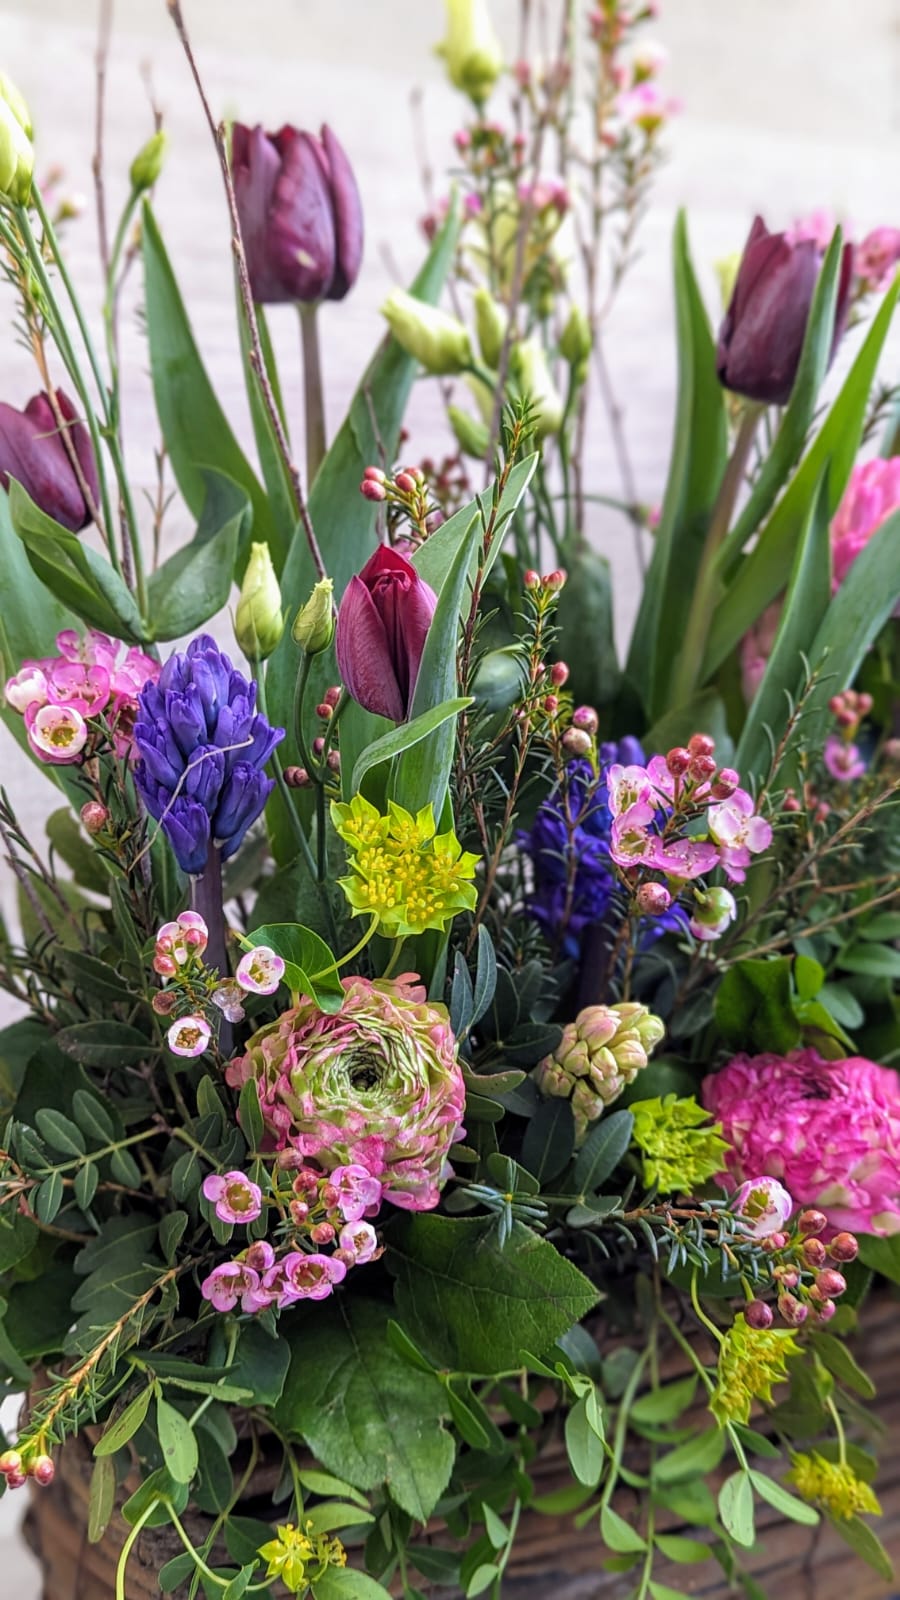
{"type": "Point", "coordinates": [256, 357]}
{"type": "Point", "coordinates": [101, 58]}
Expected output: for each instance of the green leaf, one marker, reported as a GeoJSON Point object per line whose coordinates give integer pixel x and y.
{"type": "Point", "coordinates": [834, 1355]}
{"type": "Point", "coordinates": [866, 1543]}
{"type": "Point", "coordinates": [696, 1456]}
{"type": "Point", "coordinates": [474, 1305]}
{"type": "Point", "coordinates": [549, 1140]}
{"type": "Point", "coordinates": [59, 1132]}
{"type": "Point", "coordinates": [404, 737]}
{"type": "Point", "coordinates": [363, 1411]}
{"type": "Point", "coordinates": [195, 582]}
{"type": "Point", "coordinates": [602, 1151]}
{"type": "Point", "coordinates": [73, 572]}
{"type": "Point", "coordinates": [345, 1583]}
{"type": "Point", "coordinates": [736, 1508]}
{"type": "Point", "coordinates": [48, 1198]}
{"type": "Point", "coordinates": [682, 1551]}
{"type": "Point", "coordinates": [324, 1483]}
{"type": "Point", "coordinates": [274, 470]}
{"type": "Point", "coordinates": [764, 573]}
{"type": "Point", "coordinates": [808, 598]}
{"type": "Point", "coordinates": [786, 1504]}
{"type": "Point", "coordinates": [754, 1008]}
{"type": "Point", "coordinates": [584, 1447]}
{"type": "Point", "coordinates": [309, 964]}
{"type": "Point", "coordinates": [665, 1404]}
{"type": "Point", "coordinates": [619, 1535]}
{"type": "Point", "coordinates": [695, 472]}
{"type": "Point", "coordinates": [481, 1579]}
{"type": "Point", "coordinates": [125, 1425]}
{"type": "Point", "coordinates": [105, 1044]}
{"type": "Point", "coordinates": [662, 1591]}
{"type": "Point", "coordinates": [882, 1255]}
{"type": "Point", "coordinates": [874, 961]}
{"type": "Point", "coordinates": [345, 522]}
{"type": "Point", "coordinates": [85, 1185]}
{"type": "Point", "coordinates": [196, 431]}
{"type": "Point", "coordinates": [101, 1499]}
{"type": "Point", "coordinates": [585, 612]}
{"type": "Point", "coordinates": [261, 1364]}
{"type": "Point", "coordinates": [177, 1442]}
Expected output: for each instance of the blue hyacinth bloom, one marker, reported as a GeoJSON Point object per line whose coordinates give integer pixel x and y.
{"type": "Point", "coordinates": [202, 747]}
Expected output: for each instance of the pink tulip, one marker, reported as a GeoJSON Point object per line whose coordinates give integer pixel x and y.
{"type": "Point", "coordinates": [382, 625]}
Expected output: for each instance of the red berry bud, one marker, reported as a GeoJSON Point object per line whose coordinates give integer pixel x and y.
{"type": "Point", "coordinates": [844, 1247]}
{"type": "Point", "coordinates": [559, 674]}
{"type": "Point", "coordinates": [678, 760]}
{"type": "Point", "coordinates": [758, 1315]}
{"type": "Point", "coordinates": [299, 1211]}
{"type": "Point", "coordinates": [813, 1253]}
{"type": "Point", "coordinates": [324, 710]}
{"type": "Point", "coordinates": [836, 704]}
{"type": "Point", "coordinates": [43, 1471]}
{"type": "Point", "coordinates": [585, 717]}
{"type": "Point", "coordinates": [94, 817]}
{"type": "Point", "coordinates": [551, 704]}
{"type": "Point", "coordinates": [865, 703]}
{"type": "Point", "coordinates": [652, 899]}
{"type": "Point", "coordinates": [701, 768]}
{"type": "Point", "coordinates": [372, 490]}
{"type": "Point", "coordinates": [554, 580]}
{"type": "Point", "coordinates": [810, 1221]}
{"type": "Point", "coordinates": [700, 744]}
{"type": "Point", "coordinates": [831, 1283]}
{"type": "Point", "coordinates": [405, 482]}
{"type": "Point", "coordinates": [333, 695]}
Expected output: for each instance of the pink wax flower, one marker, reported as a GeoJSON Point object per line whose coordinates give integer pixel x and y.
{"type": "Point", "coordinates": [829, 1130]}
{"type": "Point", "coordinates": [307, 1277]}
{"type": "Point", "coordinates": [764, 1205]}
{"type": "Point", "coordinates": [357, 1191]}
{"type": "Point", "coordinates": [228, 997]}
{"type": "Point", "coordinates": [818, 227]}
{"type": "Point", "coordinates": [738, 832]}
{"type": "Point", "coordinates": [684, 858]}
{"type": "Point", "coordinates": [627, 787]}
{"type": "Point", "coordinates": [89, 678]}
{"type": "Point", "coordinates": [231, 1282]}
{"type": "Point", "coordinates": [757, 646]}
{"type": "Point", "coordinates": [57, 734]}
{"type": "Point", "coordinates": [630, 839]}
{"type": "Point", "coordinates": [877, 258]}
{"type": "Point", "coordinates": [376, 1084]}
{"type": "Point", "coordinates": [28, 687]}
{"type": "Point", "coordinates": [359, 1240]}
{"type": "Point", "coordinates": [189, 1036]}
{"type": "Point", "coordinates": [646, 107]}
{"type": "Point", "coordinates": [872, 494]}
{"type": "Point", "coordinates": [843, 761]}
{"type": "Point", "coordinates": [260, 971]}
{"type": "Point", "coordinates": [235, 1198]}
{"type": "Point", "coordinates": [177, 942]}
{"type": "Point", "coordinates": [714, 911]}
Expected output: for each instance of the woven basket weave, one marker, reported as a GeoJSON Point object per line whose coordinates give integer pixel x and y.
{"type": "Point", "coordinates": [549, 1558]}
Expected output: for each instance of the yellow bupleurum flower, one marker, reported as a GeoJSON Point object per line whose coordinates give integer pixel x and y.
{"type": "Point", "coordinates": [682, 1147]}
{"type": "Point", "coordinates": [751, 1362]}
{"type": "Point", "coordinates": [401, 870]}
{"type": "Point", "coordinates": [833, 1485]}
{"type": "Point", "coordinates": [299, 1559]}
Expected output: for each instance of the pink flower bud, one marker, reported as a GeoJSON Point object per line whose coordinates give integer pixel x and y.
{"type": "Point", "coordinates": [843, 1247]}
{"type": "Point", "coordinates": [332, 695]}
{"type": "Point", "coordinates": [405, 482]}
{"type": "Point", "coordinates": [814, 1253]}
{"type": "Point", "coordinates": [532, 579]}
{"type": "Point", "coordinates": [559, 674]}
{"type": "Point", "coordinates": [10, 1461]}
{"type": "Point", "coordinates": [374, 475]}
{"type": "Point", "coordinates": [330, 1195]}
{"type": "Point", "coordinates": [299, 1211]}
{"type": "Point", "coordinates": [585, 717]}
{"type": "Point", "coordinates": [555, 580]}
{"type": "Point", "coordinates": [725, 783]}
{"type": "Point", "coordinates": [164, 1002]}
{"type": "Point", "coordinates": [318, 746]}
{"type": "Point", "coordinates": [652, 899]}
{"type": "Point", "coordinates": [792, 1310]}
{"type": "Point", "coordinates": [825, 1311]}
{"type": "Point", "coordinates": [810, 1222]}
{"type": "Point", "coordinates": [836, 704]}
{"type": "Point", "coordinates": [306, 1181]}
{"type": "Point", "coordinates": [94, 817]}
{"type": "Point", "coordinates": [678, 760]}
{"type": "Point", "coordinates": [322, 1233]}
{"type": "Point", "coordinates": [831, 1283]}
{"type": "Point", "coordinates": [864, 703]}
{"type": "Point", "coordinates": [287, 1159]}
{"type": "Point", "coordinates": [297, 778]}
{"type": "Point", "coordinates": [790, 802]}
{"type": "Point", "coordinates": [165, 966]}
{"type": "Point", "coordinates": [43, 1471]}
{"type": "Point", "coordinates": [788, 1277]}
{"type": "Point", "coordinates": [702, 767]}
{"type": "Point", "coordinates": [700, 744]}
{"type": "Point", "coordinates": [372, 490]}
{"type": "Point", "coordinates": [324, 710]}
{"type": "Point", "coordinates": [16, 1480]}
{"type": "Point", "coordinates": [775, 1241]}
{"type": "Point", "coordinates": [333, 761]}
{"type": "Point", "coordinates": [758, 1315]}
{"type": "Point", "coordinates": [576, 742]}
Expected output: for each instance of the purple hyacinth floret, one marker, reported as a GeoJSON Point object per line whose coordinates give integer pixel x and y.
{"type": "Point", "coordinates": [202, 746]}
{"type": "Point", "coordinates": [578, 822]}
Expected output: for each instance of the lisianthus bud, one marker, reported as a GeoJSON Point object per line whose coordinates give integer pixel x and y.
{"type": "Point", "coordinates": [439, 342]}
{"type": "Point", "coordinates": [471, 48]}
{"type": "Point", "coordinates": [491, 321]}
{"type": "Point", "coordinates": [313, 628]}
{"type": "Point", "coordinates": [259, 622]}
{"type": "Point", "coordinates": [472, 436]}
{"type": "Point", "coordinates": [576, 342]}
{"type": "Point", "coordinates": [599, 1053]}
{"type": "Point", "coordinates": [532, 378]}
{"type": "Point", "coordinates": [16, 150]}
{"type": "Point", "coordinates": [147, 164]}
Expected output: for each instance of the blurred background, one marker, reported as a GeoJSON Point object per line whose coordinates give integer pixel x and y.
{"type": "Point", "coordinates": [788, 105]}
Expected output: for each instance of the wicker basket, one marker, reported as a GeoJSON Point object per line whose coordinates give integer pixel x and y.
{"type": "Point", "coordinates": [549, 1558]}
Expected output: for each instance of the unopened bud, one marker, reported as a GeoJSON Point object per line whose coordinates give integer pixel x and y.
{"type": "Point", "coordinates": [259, 622]}
{"type": "Point", "coordinates": [844, 1247]}
{"type": "Point", "coordinates": [652, 899]}
{"type": "Point", "coordinates": [792, 1310]}
{"type": "Point", "coordinates": [555, 580]}
{"type": "Point", "coordinates": [831, 1283]}
{"type": "Point", "coordinates": [372, 490]}
{"type": "Point", "coordinates": [824, 1311]}
{"type": "Point", "coordinates": [16, 1480]}
{"type": "Point", "coordinates": [813, 1252]}
{"type": "Point", "coordinates": [43, 1471]}
{"type": "Point", "coordinates": [575, 342]}
{"type": "Point", "coordinates": [559, 674]}
{"type": "Point", "coordinates": [551, 704]}
{"type": "Point", "coordinates": [147, 164]}
{"type": "Point", "coordinates": [375, 475]}
{"type": "Point", "coordinates": [318, 746]}
{"type": "Point", "coordinates": [333, 761]}
{"type": "Point", "coordinates": [322, 1233]}
{"type": "Point", "coordinates": [313, 628]}
{"type": "Point", "coordinates": [165, 1000]}
{"type": "Point", "coordinates": [701, 768]}
{"type": "Point", "coordinates": [165, 966]}
{"type": "Point", "coordinates": [576, 742]}
{"type": "Point", "coordinates": [758, 1315]}
{"type": "Point", "coordinates": [491, 320]}
{"type": "Point", "coordinates": [297, 778]}
{"type": "Point", "coordinates": [586, 718]}
{"type": "Point", "coordinates": [299, 1212]}
{"type": "Point", "coordinates": [94, 817]}
{"type": "Point", "coordinates": [678, 760]}
{"type": "Point", "coordinates": [405, 482]}
{"type": "Point", "coordinates": [471, 434]}
{"type": "Point", "coordinates": [700, 744]}
{"type": "Point", "coordinates": [532, 580]}
{"type": "Point", "coordinates": [725, 783]}
{"type": "Point", "coordinates": [10, 1461]}
{"type": "Point", "coordinates": [324, 711]}
{"type": "Point", "coordinates": [438, 341]}
{"type": "Point", "coordinates": [811, 1222]}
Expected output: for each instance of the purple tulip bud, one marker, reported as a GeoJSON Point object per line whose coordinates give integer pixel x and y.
{"type": "Point", "coordinates": [300, 213]}
{"type": "Point", "coordinates": [383, 621]}
{"type": "Point", "coordinates": [32, 451]}
{"type": "Point", "coordinates": [762, 335]}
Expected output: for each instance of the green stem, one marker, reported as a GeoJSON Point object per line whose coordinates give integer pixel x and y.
{"type": "Point", "coordinates": [701, 1314]}
{"type": "Point", "coordinates": [689, 661]}
{"type": "Point", "coordinates": [129, 1544]}
{"type": "Point", "coordinates": [313, 391]}
{"type": "Point", "coordinates": [839, 1429]}
{"type": "Point", "coordinates": [109, 302]}
{"type": "Point", "coordinates": [350, 953]}
{"type": "Point", "coordinates": [290, 807]}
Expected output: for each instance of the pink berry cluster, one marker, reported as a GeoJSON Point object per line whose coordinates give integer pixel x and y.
{"type": "Point", "coordinates": [17, 1467]}
{"type": "Point", "coordinates": [805, 1272]}
{"type": "Point", "coordinates": [655, 840]}
{"type": "Point", "coordinates": [408, 499]}
{"type": "Point", "coordinates": [80, 702]}
{"type": "Point", "coordinates": [195, 992]}
{"type": "Point", "coordinates": [842, 755]}
{"type": "Point", "coordinates": [325, 757]}
{"type": "Point", "coordinates": [322, 1231]}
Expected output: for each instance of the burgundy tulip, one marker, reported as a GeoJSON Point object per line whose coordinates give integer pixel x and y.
{"type": "Point", "coordinates": [761, 338]}
{"type": "Point", "coordinates": [32, 451]}
{"type": "Point", "coordinates": [382, 625]}
{"type": "Point", "coordinates": [300, 213]}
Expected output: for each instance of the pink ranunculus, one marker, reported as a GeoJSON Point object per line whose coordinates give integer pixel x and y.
{"type": "Point", "coordinates": [843, 761]}
{"type": "Point", "coordinates": [829, 1130]}
{"type": "Point", "coordinates": [738, 832]}
{"type": "Point", "coordinates": [764, 1205]}
{"type": "Point", "coordinates": [877, 258]}
{"type": "Point", "coordinates": [872, 494]}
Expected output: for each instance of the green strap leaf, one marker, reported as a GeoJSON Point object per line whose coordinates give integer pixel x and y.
{"type": "Point", "coordinates": [196, 581]}
{"type": "Point", "coordinates": [404, 737]}
{"type": "Point", "coordinates": [73, 572]}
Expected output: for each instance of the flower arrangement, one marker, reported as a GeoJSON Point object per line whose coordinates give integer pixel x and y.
{"type": "Point", "coordinates": [429, 1019]}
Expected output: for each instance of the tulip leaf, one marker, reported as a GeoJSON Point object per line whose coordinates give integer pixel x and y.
{"type": "Point", "coordinates": [345, 522]}
{"type": "Point", "coordinates": [274, 468]}
{"type": "Point", "coordinates": [196, 430]}
{"type": "Point", "coordinates": [404, 737]}
{"type": "Point", "coordinates": [807, 602]}
{"type": "Point", "coordinates": [815, 359]}
{"type": "Point", "coordinates": [699, 449]}
{"type": "Point", "coordinates": [764, 573]}
{"type": "Point", "coordinates": [73, 572]}
{"type": "Point", "coordinates": [196, 581]}
{"type": "Point", "coordinates": [309, 966]}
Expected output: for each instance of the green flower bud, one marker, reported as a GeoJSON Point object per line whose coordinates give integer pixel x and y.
{"type": "Point", "coordinates": [313, 628]}
{"type": "Point", "coordinates": [576, 343]}
{"type": "Point", "coordinates": [471, 48]}
{"type": "Point", "coordinates": [147, 164]}
{"type": "Point", "coordinates": [599, 1053]}
{"type": "Point", "coordinates": [259, 622]}
{"type": "Point", "coordinates": [532, 378]}
{"type": "Point", "coordinates": [16, 150]}
{"type": "Point", "coordinates": [439, 342]}
{"type": "Point", "coordinates": [491, 321]}
{"type": "Point", "coordinates": [472, 436]}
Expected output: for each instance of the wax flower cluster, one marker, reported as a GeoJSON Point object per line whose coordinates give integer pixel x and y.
{"type": "Point", "coordinates": [82, 701]}
{"type": "Point", "coordinates": [804, 1267]}
{"type": "Point", "coordinates": [199, 996]}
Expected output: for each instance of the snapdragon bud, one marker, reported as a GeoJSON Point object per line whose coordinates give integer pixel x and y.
{"type": "Point", "coordinates": [313, 628]}
{"type": "Point", "coordinates": [259, 621]}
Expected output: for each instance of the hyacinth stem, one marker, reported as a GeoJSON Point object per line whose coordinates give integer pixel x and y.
{"type": "Point", "coordinates": [690, 658]}
{"type": "Point", "coordinates": [313, 390]}
{"type": "Point", "coordinates": [206, 898]}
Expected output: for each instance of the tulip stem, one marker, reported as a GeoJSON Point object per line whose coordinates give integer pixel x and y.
{"type": "Point", "coordinates": [313, 391]}
{"type": "Point", "coordinates": [690, 658]}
